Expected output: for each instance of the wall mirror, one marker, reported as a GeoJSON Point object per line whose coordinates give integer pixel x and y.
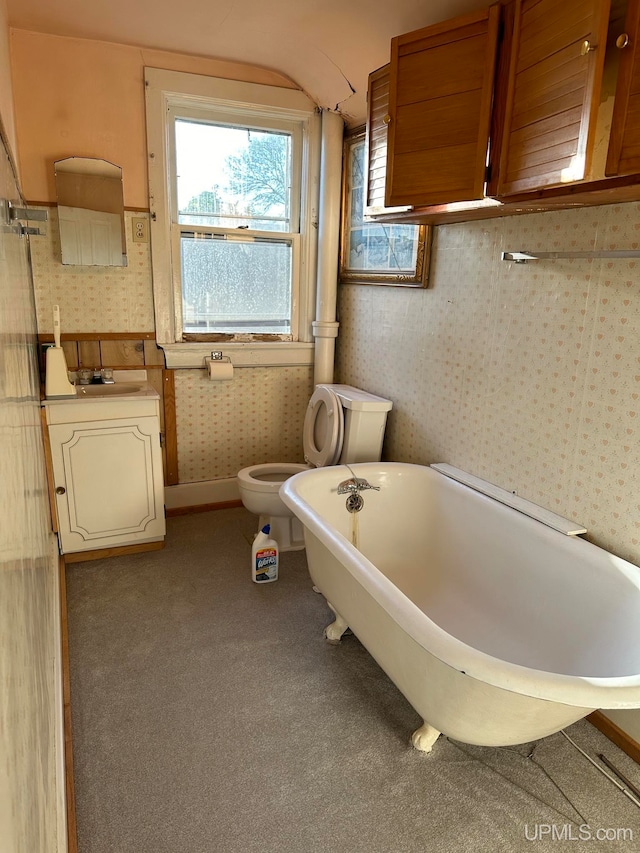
{"type": "Point", "coordinates": [90, 212]}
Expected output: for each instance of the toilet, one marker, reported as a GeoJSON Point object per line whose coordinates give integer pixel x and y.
{"type": "Point", "coordinates": [342, 424]}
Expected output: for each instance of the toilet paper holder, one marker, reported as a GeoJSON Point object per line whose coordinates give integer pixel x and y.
{"type": "Point", "coordinates": [219, 367]}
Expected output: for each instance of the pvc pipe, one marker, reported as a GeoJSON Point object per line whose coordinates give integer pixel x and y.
{"type": "Point", "coordinates": [325, 327]}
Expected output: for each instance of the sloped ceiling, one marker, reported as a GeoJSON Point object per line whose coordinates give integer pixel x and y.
{"type": "Point", "coordinates": [327, 47]}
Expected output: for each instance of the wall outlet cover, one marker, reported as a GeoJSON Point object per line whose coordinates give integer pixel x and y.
{"type": "Point", "coordinates": [140, 229]}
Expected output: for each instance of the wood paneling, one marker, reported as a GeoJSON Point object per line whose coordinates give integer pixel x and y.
{"type": "Point", "coordinates": [153, 354]}
{"type": "Point", "coordinates": [155, 376]}
{"type": "Point", "coordinates": [624, 144]}
{"type": "Point", "coordinates": [441, 90]}
{"type": "Point", "coordinates": [171, 434]}
{"type": "Point", "coordinates": [101, 553]}
{"type": "Point", "coordinates": [70, 353]}
{"type": "Point", "coordinates": [553, 92]}
{"type": "Point", "coordinates": [129, 353]}
{"type": "Point", "coordinates": [190, 510]}
{"type": "Point", "coordinates": [616, 734]}
{"type": "Point", "coordinates": [89, 354]}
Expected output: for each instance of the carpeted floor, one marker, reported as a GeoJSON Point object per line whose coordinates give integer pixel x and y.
{"type": "Point", "coordinates": [210, 716]}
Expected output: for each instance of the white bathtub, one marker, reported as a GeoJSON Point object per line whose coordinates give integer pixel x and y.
{"type": "Point", "coordinates": [496, 628]}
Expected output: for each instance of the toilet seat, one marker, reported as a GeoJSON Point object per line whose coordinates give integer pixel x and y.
{"type": "Point", "coordinates": [323, 430]}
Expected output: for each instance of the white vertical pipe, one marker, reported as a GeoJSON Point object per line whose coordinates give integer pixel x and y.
{"type": "Point", "coordinates": [325, 327]}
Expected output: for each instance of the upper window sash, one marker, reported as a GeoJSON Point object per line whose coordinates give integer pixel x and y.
{"type": "Point", "coordinates": [256, 120]}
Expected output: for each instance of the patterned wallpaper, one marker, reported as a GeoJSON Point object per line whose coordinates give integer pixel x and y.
{"type": "Point", "coordinates": [221, 427]}
{"type": "Point", "coordinates": [92, 299]}
{"type": "Point", "coordinates": [525, 375]}
{"type": "Point", "coordinates": [255, 418]}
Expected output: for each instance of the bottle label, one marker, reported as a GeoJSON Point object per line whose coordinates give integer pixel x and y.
{"type": "Point", "coordinates": [266, 567]}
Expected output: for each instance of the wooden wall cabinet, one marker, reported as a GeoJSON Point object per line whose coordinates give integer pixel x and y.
{"type": "Point", "coordinates": [555, 74]}
{"type": "Point", "coordinates": [441, 90]}
{"type": "Point", "coordinates": [506, 105]}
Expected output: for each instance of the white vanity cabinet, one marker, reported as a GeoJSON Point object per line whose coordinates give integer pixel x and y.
{"type": "Point", "coordinates": [107, 471]}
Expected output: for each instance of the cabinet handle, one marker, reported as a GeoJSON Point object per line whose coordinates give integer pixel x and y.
{"type": "Point", "coordinates": [61, 490]}
{"type": "Point", "coordinates": [622, 41]}
{"type": "Point", "coordinates": [386, 119]}
{"type": "Point", "coordinates": [587, 47]}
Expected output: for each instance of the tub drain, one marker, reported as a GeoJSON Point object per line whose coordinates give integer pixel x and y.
{"type": "Point", "coordinates": [354, 503]}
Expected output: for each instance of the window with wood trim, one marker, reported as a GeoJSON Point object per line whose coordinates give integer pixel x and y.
{"type": "Point", "coordinates": [231, 212]}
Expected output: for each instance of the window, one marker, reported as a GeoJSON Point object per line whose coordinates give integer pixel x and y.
{"type": "Point", "coordinates": [231, 166]}
{"type": "Point", "coordinates": [376, 252]}
{"type": "Point", "coordinates": [235, 217]}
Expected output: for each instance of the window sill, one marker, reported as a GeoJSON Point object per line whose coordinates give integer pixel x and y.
{"type": "Point", "coordinates": [277, 354]}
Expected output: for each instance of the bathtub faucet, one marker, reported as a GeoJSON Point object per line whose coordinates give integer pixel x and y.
{"type": "Point", "coordinates": [354, 485]}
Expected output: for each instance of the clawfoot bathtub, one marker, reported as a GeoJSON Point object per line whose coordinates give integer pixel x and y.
{"type": "Point", "coordinates": [497, 628]}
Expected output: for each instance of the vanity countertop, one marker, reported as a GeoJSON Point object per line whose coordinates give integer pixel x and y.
{"type": "Point", "coordinates": [128, 385]}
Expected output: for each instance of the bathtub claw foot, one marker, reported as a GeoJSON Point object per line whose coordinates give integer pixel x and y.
{"type": "Point", "coordinates": [424, 738]}
{"type": "Point", "coordinates": [336, 629]}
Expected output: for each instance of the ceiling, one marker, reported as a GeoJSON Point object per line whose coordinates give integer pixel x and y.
{"type": "Point", "coordinates": [327, 47]}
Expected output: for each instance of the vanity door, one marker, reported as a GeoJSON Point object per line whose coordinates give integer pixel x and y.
{"type": "Point", "coordinates": [108, 482]}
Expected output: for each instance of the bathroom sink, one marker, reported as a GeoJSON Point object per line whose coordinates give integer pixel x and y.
{"type": "Point", "coordinates": [115, 390]}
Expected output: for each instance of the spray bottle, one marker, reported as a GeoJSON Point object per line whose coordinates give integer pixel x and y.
{"type": "Point", "coordinates": [264, 557]}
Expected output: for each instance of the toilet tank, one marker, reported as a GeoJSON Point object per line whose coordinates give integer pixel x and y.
{"type": "Point", "coordinates": [365, 419]}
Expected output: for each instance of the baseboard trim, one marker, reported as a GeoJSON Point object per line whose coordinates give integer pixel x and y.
{"type": "Point", "coordinates": [616, 735]}
{"type": "Point", "coordinates": [121, 550]}
{"type": "Point", "coordinates": [203, 493]}
{"type": "Point", "coordinates": [189, 510]}
{"type": "Point", "coordinates": [72, 833]}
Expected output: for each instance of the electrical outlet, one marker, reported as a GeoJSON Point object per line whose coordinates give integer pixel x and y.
{"type": "Point", "coordinates": [140, 228]}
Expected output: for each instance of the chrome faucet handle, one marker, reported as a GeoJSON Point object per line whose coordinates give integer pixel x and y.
{"type": "Point", "coordinates": [347, 486]}
{"type": "Point", "coordinates": [363, 485]}
{"type": "Point", "coordinates": [354, 485]}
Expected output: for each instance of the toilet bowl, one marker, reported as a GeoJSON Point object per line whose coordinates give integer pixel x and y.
{"type": "Point", "coordinates": [259, 486]}
{"type": "Point", "coordinates": [342, 424]}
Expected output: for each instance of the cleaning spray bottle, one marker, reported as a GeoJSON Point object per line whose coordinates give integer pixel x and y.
{"type": "Point", "coordinates": [264, 557]}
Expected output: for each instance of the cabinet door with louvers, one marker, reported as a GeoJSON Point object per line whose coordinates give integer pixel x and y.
{"type": "Point", "coordinates": [441, 88]}
{"type": "Point", "coordinates": [624, 143]}
{"type": "Point", "coordinates": [553, 93]}
{"type": "Point", "coordinates": [376, 141]}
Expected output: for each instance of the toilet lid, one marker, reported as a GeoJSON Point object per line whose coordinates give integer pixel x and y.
{"type": "Point", "coordinates": [323, 428]}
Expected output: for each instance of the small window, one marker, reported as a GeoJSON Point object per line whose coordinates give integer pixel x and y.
{"type": "Point", "coordinates": [231, 210]}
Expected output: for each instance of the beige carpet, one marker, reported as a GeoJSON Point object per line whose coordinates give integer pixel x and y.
{"type": "Point", "coordinates": [210, 716]}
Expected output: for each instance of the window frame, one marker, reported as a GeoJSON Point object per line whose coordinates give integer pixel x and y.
{"type": "Point", "coordinates": [418, 276]}
{"type": "Point", "coordinates": [172, 94]}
